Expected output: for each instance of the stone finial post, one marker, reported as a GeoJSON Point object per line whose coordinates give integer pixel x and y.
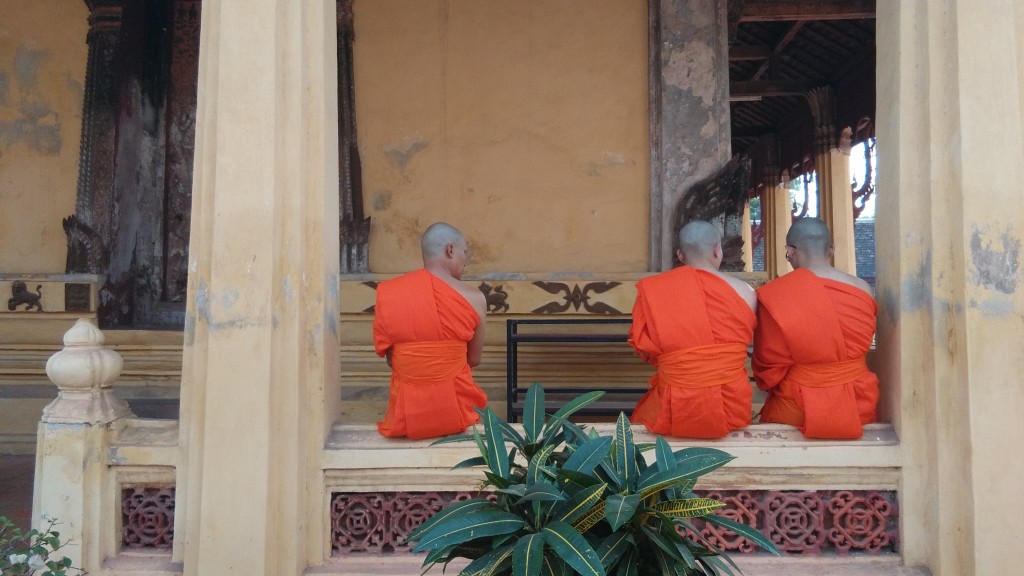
{"type": "Point", "coordinates": [84, 371]}
{"type": "Point", "coordinates": [72, 481]}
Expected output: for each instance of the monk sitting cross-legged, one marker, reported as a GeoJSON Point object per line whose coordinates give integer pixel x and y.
{"type": "Point", "coordinates": [814, 330]}
{"type": "Point", "coordinates": [694, 325]}
{"type": "Point", "coordinates": [430, 326]}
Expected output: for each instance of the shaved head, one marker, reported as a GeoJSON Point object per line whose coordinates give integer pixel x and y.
{"type": "Point", "coordinates": [436, 237]}
{"type": "Point", "coordinates": [811, 236]}
{"type": "Point", "coordinates": [698, 238]}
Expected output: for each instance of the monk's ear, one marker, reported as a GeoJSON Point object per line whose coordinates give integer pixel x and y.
{"type": "Point", "coordinates": [680, 257]}
{"type": "Point", "coordinates": [449, 250]}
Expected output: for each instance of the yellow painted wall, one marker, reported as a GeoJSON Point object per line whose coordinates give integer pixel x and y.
{"type": "Point", "coordinates": [524, 124]}
{"type": "Point", "coordinates": [42, 77]}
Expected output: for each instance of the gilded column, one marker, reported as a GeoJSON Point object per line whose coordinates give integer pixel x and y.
{"type": "Point", "coordinates": [832, 162]}
{"type": "Point", "coordinates": [776, 211]}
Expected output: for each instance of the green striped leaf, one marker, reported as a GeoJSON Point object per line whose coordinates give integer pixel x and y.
{"type": "Point", "coordinates": [625, 453]}
{"type": "Point", "coordinates": [613, 547]}
{"type": "Point", "coordinates": [533, 412]}
{"type": "Point", "coordinates": [494, 441]}
{"type": "Point", "coordinates": [575, 434]}
{"type": "Point", "coordinates": [572, 481]}
{"type": "Point", "coordinates": [627, 566]}
{"type": "Point", "coordinates": [573, 406]}
{"type": "Point", "coordinates": [452, 438]}
{"type": "Point", "coordinates": [480, 566]}
{"type": "Point", "coordinates": [514, 490]}
{"type": "Point", "coordinates": [619, 509]}
{"type": "Point", "coordinates": [534, 472]}
{"type": "Point", "coordinates": [719, 565]}
{"type": "Point", "coordinates": [510, 433]}
{"type": "Point", "coordinates": [665, 461]}
{"type": "Point", "coordinates": [663, 452]}
{"type": "Point", "coordinates": [542, 492]}
{"type": "Point", "coordinates": [529, 554]}
{"type": "Point", "coordinates": [745, 531]}
{"type": "Point", "coordinates": [590, 519]}
{"type": "Point", "coordinates": [588, 455]}
{"type": "Point", "coordinates": [496, 481]}
{"type": "Point", "coordinates": [470, 462]}
{"type": "Point", "coordinates": [464, 507]}
{"type": "Point", "coordinates": [681, 547]}
{"type": "Point", "coordinates": [554, 566]}
{"type": "Point", "coordinates": [466, 527]}
{"type": "Point", "coordinates": [688, 507]}
{"type": "Point", "coordinates": [581, 503]}
{"type": "Point", "coordinates": [664, 544]}
{"type": "Point", "coordinates": [501, 561]}
{"type": "Point", "coordinates": [573, 548]}
{"type": "Point", "coordinates": [677, 477]}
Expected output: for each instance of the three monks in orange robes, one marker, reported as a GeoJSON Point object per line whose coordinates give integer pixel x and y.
{"type": "Point", "coordinates": [430, 327]}
{"type": "Point", "coordinates": [815, 327]}
{"type": "Point", "coordinates": [694, 325]}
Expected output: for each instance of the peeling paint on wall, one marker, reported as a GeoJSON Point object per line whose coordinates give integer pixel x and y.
{"type": "Point", "coordinates": [33, 123]}
{"type": "Point", "coordinates": [381, 200]}
{"type": "Point", "coordinates": [401, 153]}
{"type": "Point", "coordinates": [27, 62]}
{"type": "Point", "coordinates": [916, 287]}
{"type": "Point", "coordinates": [995, 261]}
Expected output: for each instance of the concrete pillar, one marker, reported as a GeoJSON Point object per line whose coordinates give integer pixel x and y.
{"type": "Point", "coordinates": [689, 108]}
{"type": "Point", "coordinates": [260, 384]}
{"type": "Point", "coordinates": [71, 467]}
{"type": "Point", "coordinates": [950, 228]}
{"type": "Point", "coordinates": [832, 162]}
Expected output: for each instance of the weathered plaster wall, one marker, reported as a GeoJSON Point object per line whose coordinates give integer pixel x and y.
{"type": "Point", "coordinates": [951, 291]}
{"type": "Point", "coordinates": [522, 123]}
{"type": "Point", "coordinates": [42, 74]}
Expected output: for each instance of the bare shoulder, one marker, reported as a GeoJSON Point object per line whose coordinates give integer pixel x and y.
{"type": "Point", "coordinates": [472, 294]}
{"type": "Point", "coordinates": [840, 276]}
{"type": "Point", "coordinates": [746, 291]}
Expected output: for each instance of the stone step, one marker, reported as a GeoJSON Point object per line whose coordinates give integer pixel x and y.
{"type": "Point", "coordinates": [378, 565]}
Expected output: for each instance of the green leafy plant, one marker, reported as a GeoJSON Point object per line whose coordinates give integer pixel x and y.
{"type": "Point", "coordinates": [33, 552]}
{"type": "Point", "coordinates": [572, 501]}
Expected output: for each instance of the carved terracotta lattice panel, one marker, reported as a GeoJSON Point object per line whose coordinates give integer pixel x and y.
{"type": "Point", "coordinates": [799, 523]}
{"type": "Point", "coordinates": [147, 517]}
{"type": "Point", "coordinates": [380, 522]}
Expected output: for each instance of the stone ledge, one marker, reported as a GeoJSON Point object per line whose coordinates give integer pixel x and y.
{"type": "Point", "coordinates": [356, 458]}
{"type": "Point", "coordinates": [390, 565]}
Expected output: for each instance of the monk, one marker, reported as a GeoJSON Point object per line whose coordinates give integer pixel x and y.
{"type": "Point", "coordinates": [815, 327]}
{"type": "Point", "coordinates": [430, 327]}
{"type": "Point", "coordinates": [694, 325]}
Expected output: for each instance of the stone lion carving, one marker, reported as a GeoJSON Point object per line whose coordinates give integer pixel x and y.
{"type": "Point", "coordinates": [20, 295]}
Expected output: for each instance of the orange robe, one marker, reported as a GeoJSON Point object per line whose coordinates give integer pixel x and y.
{"type": "Point", "coordinates": [427, 325]}
{"type": "Point", "coordinates": [695, 329]}
{"type": "Point", "coordinates": [812, 337]}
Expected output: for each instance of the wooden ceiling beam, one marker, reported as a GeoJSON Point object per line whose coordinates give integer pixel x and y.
{"type": "Point", "coordinates": [752, 132]}
{"type": "Point", "coordinates": [739, 91]}
{"type": "Point", "coordinates": [777, 49]}
{"type": "Point", "coordinates": [751, 52]}
{"type": "Point", "coordinates": [797, 10]}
